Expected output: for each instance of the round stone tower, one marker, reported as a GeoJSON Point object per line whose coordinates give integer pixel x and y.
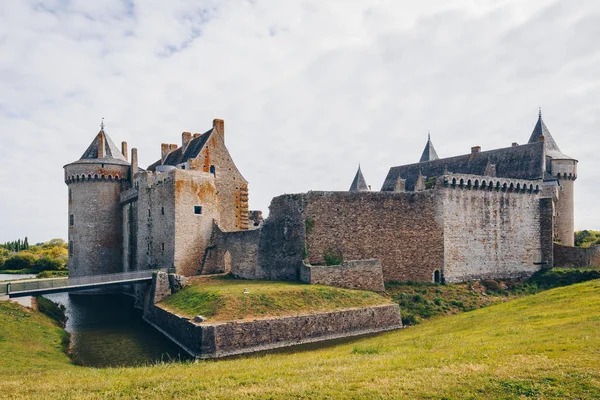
{"type": "Point", "coordinates": [564, 169]}
{"type": "Point", "coordinates": [95, 220]}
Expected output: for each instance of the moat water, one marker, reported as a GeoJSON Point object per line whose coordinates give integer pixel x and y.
{"type": "Point", "coordinates": [107, 331]}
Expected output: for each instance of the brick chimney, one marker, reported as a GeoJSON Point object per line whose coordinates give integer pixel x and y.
{"type": "Point", "coordinates": [185, 139]}
{"type": "Point", "coordinates": [475, 149]}
{"type": "Point", "coordinates": [124, 149]}
{"type": "Point", "coordinates": [134, 164]}
{"type": "Point", "coordinates": [164, 150]}
{"type": "Point", "coordinates": [219, 124]}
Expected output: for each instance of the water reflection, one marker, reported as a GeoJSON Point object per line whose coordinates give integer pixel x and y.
{"type": "Point", "coordinates": [106, 330]}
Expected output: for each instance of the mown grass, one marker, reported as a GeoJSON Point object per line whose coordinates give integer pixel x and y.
{"type": "Point", "coordinates": [223, 299]}
{"type": "Point", "coordinates": [544, 346]}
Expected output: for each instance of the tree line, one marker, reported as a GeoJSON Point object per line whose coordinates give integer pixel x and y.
{"type": "Point", "coordinates": [20, 256]}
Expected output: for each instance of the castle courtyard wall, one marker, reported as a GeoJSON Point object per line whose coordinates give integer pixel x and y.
{"type": "Point", "coordinates": [569, 256]}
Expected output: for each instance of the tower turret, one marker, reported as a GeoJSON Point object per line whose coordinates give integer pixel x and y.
{"type": "Point", "coordinates": [95, 220]}
{"type": "Point", "coordinates": [359, 184]}
{"type": "Point", "coordinates": [429, 153]}
{"type": "Point", "coordinates": [564, 169]}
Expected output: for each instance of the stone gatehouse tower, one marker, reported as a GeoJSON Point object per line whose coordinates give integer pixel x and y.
{"type": "Point", "coordinates": [124, 218]}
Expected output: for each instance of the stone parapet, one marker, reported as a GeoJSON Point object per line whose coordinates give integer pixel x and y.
{"type": "Point", "coordinates": [356, 274]}
{"type": "Point", "coordinates": [569, 256]}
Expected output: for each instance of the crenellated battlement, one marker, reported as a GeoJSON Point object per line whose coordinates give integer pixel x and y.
{"type": "Point", "coordinates": [478, 182]}
{"type": "Point", "coordinates": [94, 178]}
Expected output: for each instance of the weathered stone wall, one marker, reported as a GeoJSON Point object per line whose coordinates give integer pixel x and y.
{"type": "Point", "coordinates": [169, 232]}
{"type": "Point", "coordinates": [402, 230]}
{"type": "Point", "coordinates": [566, 172]}
{"type": "Point", "coordinates": [235, 252]}
{"type": "Point", "coordinates": [230, 184]}
{"type": "Point", "coordinates": [282, 245]}
{"type": "Point", "coordinates": [95, 236]}
{"type": "Point", "coordinates": [569, 256]}
{"type": "Point", "coordinates": [356, 274]}
{"type": "Point", "coordinates": [488, 232]}
{"type": "Point", "coordinates": [232, 338]}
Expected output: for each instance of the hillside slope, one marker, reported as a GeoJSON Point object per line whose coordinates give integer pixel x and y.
{"type": "Point", "coordinates": [541, 346]}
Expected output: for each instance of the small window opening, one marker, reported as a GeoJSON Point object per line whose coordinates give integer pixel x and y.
{"type": "Point", "coordinates": [148, 213]}
{"type": "Point", "coordinates": [71, 248]}
{"type": "Point", "coordinates": [162, 210]}
{"type": "Point", "coordinates": [212, 170]}
{"type": "Point", "coordinates": [198, 210]}
{"type": "Point", "coordinates": [183, 167]}
{"type": "Point", "coordinates": [71, 220]}
{"type": "Point", "coordinates": [162, 246]}
{"type": "Point", "coordinates": [148, 246]}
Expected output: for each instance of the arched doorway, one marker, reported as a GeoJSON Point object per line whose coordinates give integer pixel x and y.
{"type": "Point", "coordinates": [437, 278]}
{"type": "Point", "coordinates": [227, 262]}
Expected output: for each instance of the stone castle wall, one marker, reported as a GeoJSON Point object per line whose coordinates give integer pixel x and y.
{"type": "Point", "coordinates": [569, 256]}
{"type": "Point", "coordinates": [356, 274]}
{"type": "Point", "coordinates": [490, 233]}
{"type": "Point", "coordinates": [235, 252]}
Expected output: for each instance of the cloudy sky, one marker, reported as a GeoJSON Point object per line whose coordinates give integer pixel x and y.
{"type": "Point", "coordinates": [307, 88]}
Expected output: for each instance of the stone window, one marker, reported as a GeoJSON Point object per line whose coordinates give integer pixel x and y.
{"type": "Point", "coordinates": [162, 210]}
{"type": "Point", "coordinates": [71, 248]}
{"type": "Point", "coordinates": [212, 170]}
{"type": "Point", "coordinates": [71, 220]}
{"type": "Point", "coordinates": [436, 276]}
{"type": "Point", "coordinates": [198, 210]}
{"type": "Point", "coordinates": [162, 247]}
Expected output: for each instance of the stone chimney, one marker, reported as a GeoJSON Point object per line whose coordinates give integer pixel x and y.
{"type": "Point", "coordinates": [541, 138]}
{"type": "Point", "coordinates": [196, 135]}
{"type": "Point", "coordinates": [515, 144]}
{"type": "Point", "coordinates": [164, 150]}
{"type": "Point", "coordinates": [124, 149]}
{"type": "Point", "coordinates": [134, 164]}
{"type": "Point", "coordinates": [185, 140]}
{"type": "Point", "coordinates": [101, 144]}
{"type": "Point", "coordinates": [219, 124]}
{"type": "Point", "coordinates": [475, 149]}
{"type": "Point", "coordinates": [172, 147]}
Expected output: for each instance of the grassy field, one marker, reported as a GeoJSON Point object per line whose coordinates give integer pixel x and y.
{"type": "Point", "coordinates": [545, 345]}
{"type": "Point", "coordinates": [223, 299]}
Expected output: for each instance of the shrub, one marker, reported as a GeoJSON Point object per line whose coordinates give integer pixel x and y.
{"type": "Point", "coordinates": [20, 261]}
{"type": "Point", "coordinates": [417, 298]}
{"type": "Point", "coordinates": [332, 257]}
{"type": "Point", "coordinates": [492, 286]}
{"type": "Point", "coordinates": [409, 319]}
{"type": "Point", "coordinates": [48, 264]}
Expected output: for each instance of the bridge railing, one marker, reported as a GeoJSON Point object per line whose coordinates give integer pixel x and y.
{"type": "Point", "coordinates": [64, 282]}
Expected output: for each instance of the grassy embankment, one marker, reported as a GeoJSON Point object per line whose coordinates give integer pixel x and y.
{"type": "Point", "coordinates": [545, 345]}
{"type": "Point", "coordinates": [223, 299]}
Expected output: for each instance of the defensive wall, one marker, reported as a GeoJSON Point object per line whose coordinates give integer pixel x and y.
{"type": "Point", "coordinates": [356, 274]}
{"type": "Point", "coordinates": [214, 340]}
{"type": "Point", "coordinates": [463, 227]}
{"type": "Point", "coordinates": [569, 256]}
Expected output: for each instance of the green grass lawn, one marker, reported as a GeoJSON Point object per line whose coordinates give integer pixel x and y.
{"type": "Point", "coordinates": [223, 299]}
{"type": "Point", "coordinates": [543, 346]}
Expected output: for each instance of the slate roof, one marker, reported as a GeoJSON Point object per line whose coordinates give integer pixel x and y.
{"type": "Point", "coordinates": [429, 153]}
{"type": "Point", "coordinates": [177, 157]}
{"type": "Point", "coordinates": [359, 184]}
{"type": "Point", "coordinates": [552, 148]}
{"type": "Point", "coordinates": [112, 153]}
{"type": "Point", "coordinates": [520, 162]}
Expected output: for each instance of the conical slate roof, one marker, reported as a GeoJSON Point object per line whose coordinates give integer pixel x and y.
{"type": "Point", "coordinates": [550, 145]}
{"type": "Point", "coordinates": [429, 153]}
{"type": "Point", "coordinates": [112, 154]}
{"type": "Point", "coordinates": [359, 184]}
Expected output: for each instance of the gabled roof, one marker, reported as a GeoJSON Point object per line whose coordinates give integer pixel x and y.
{"type": "Point", "coordinates": [359, 184]}
{"type": "Point", "coordinates": [112, 154]}
{"type": "Point", "coordinates": [192, 150]}
{"type": "Point", "coordinates": [520, 162]}
{"type": "Point", "coordinates": [429, 153]}
{"type": "Point", "coordinates": [552, 148]}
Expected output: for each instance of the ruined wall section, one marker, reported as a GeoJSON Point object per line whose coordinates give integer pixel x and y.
{"type": "Point", "coordinates": [282, 244]}
{"type": "Point", "coordinates": [355, 274]}
{"type": "Point", "coordinates": [230, 184]}
{"type": "Point", "coordinates": [234, 252]}
{"type": "Point", "coordinates": [569, 256]}
{"type": "Point", "coordinates": [95, 234]}
{"type": "Point", "coordinates": [402, 230]}
{"type": "Point", "coordinates": [491, 227]}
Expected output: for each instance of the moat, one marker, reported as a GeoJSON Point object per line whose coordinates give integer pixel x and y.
{"type": "Point", "coordinates": [107, 331]}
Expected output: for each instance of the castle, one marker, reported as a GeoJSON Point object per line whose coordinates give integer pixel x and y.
{"type": "Point", "coordinates": [485, 214]}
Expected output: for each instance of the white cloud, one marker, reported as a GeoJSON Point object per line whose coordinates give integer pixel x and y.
{"type": "Point", "coordinates": [307, 88]}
